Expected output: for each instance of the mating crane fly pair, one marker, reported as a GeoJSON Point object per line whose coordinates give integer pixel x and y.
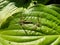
{"type": "Point", "coordinates": [22, 21]}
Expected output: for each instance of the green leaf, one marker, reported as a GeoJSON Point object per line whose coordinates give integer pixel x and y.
{"type": "Point", "coordinates": [37, 25]}
{"type": "Point", "coordinates": [8, 10]}
{"type": "Point", "coordinates": [55, 7]}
